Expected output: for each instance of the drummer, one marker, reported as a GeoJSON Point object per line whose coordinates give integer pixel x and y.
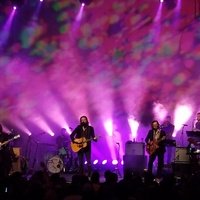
{"type": "Point", "coordinates": [63, 142]}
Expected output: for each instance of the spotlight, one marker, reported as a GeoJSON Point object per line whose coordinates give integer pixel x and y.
{"type": "Point", "coordinates": [95, 162]}
{"type": "Point", "coordinates": [86, 2]}
{"type": "Point", "coordinates": [115, 162]}
{"type": "Point", "coordinates": [104, 162]}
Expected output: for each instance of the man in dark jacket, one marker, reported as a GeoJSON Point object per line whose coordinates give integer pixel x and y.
{"type": "Point", "coordinates": [155, 146]}
{"type": "Point", "coordinates": [81, 138]}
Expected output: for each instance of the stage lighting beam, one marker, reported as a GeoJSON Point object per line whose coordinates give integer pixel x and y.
{"type": "Point", "coordinates": [85, 2]}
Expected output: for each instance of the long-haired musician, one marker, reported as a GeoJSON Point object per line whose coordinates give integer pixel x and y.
{"type": "Point", "coordinates": [155, 146]}
{"type": "Point", "coordinates": [81, 138]}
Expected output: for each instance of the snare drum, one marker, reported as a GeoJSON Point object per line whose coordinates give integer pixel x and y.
{"type": "Point", "coordinates": [55, 164]}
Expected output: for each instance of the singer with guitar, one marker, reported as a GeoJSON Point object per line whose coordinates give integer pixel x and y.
{"type": "Point", "coordinates": [81, 138]}
{"type": "Point", "coordinates": [155, 146]}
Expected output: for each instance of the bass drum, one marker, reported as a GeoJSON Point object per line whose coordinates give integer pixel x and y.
{"type": "Point", "coordinates": [55, 164]}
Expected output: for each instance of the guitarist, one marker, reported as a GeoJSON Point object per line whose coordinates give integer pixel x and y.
{"type": "Point", "coordinates": [84, 133]}
{"type": "Point", "coordinates": [155, 146]}
{"type": "Point", "coordinates": [6, 155]}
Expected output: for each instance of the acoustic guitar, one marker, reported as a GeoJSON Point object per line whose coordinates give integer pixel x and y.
{"type": "Point", "coordinates": [80, 143]}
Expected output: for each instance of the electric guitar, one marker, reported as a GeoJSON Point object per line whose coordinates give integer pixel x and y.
{"type": "Point", "coordinates": [153, 145]}
{"type": "Point", "coordinates": [7, 141]}
{"type": "Point", "coordinates": [80, 143]}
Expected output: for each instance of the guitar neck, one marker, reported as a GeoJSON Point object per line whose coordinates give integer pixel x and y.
{"type": "Point", "coordinates": [7, 141]}
{"type": "Point", "coordinates": [87, 140]}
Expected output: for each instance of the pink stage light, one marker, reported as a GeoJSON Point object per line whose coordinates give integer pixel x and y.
{"type": "Point", "coordinates": [104, 162]}
{"type": "Point", "coordinates": [95, 162]}
{"type": "Point", "coordinates": [114, 162]}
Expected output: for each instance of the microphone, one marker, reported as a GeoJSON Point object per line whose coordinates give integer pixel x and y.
{"type": "Point", "coordinates": [117, 143]}
{"type": "Point", "coordinates": [185, 125]}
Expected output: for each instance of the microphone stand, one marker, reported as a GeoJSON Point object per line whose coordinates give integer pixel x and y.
{"type": "Point", "coordinates": [117, 171]}
{"type": "Point", "coordinates": [193, 124]}
{"type": "Point", "coordinates": [182, 136]}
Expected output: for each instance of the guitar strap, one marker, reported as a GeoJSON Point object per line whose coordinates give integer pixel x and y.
{"type": "Point", "coordinates": [156, 134]}
{"type": "Point", "coordinates": [85, 132]}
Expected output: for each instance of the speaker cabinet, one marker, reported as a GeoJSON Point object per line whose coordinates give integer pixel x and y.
{"type": "Point", "coordinates": [134, 148]}
{"type": "Point", "coordinates": [180, 169]}
{"type": "Point", "coordinates": [181, 155]}
{"type": "Point", "coordinates": [134, 163]}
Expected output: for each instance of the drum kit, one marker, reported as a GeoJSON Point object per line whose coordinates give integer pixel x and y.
{"type": "Point", "coordinates": [62, 161]}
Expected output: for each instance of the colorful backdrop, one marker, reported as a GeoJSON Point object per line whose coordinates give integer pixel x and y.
{"type": "Point", "coordinates": [122, 63]}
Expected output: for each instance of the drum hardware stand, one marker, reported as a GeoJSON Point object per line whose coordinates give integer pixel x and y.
{"type": "Point", "coordinates": [35, 155]}
{"type": "Point", "coordinates": [182, 134]}
{"type": "Point", "coordinates": [28, 152]}
{"type": "Point", "coordinates": [116, 170]}
{"type": "Point", "coordinates": [27, 156]}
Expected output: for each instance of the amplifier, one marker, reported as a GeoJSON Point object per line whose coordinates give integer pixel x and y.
{"type": "Point", "coordinates": [181, 155]}
{"type": "Point", "coordinates": [135, 148]}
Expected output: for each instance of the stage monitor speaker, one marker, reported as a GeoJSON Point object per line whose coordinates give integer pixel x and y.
{"type": "Point", "coordinates": [135, 148]}
{"type": "Point", "coordinates": [134, 163]}
{"type": "Point", "coordinates": [181, 155]}
{"type": "Point", "coordinates": [180, 169]}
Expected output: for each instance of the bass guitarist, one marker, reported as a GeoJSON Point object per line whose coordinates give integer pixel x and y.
{"type": "Point", "coordinates": [81, 138]}
{"type": "Point", "coordinates": [155, 146]}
